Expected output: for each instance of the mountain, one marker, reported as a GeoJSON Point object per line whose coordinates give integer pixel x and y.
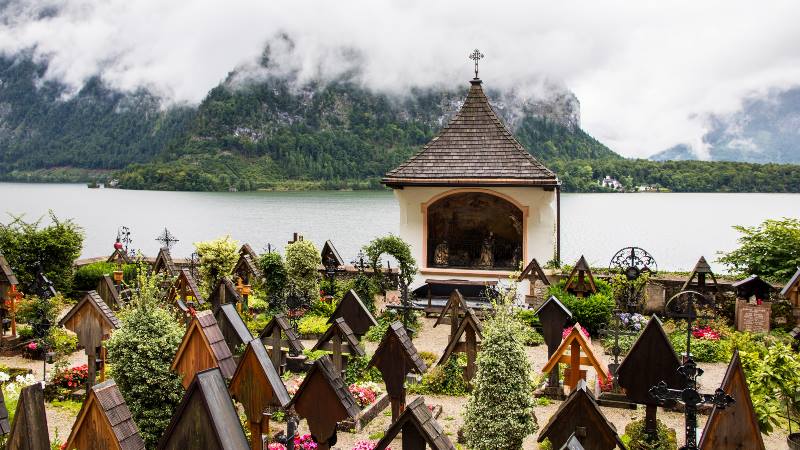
{"type": "Point", "coordinates": [765, 130]}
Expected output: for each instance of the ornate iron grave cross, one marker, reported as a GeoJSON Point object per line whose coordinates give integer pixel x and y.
{"type": "Point", "coordinates": [689, 395]}
{"type": "Point", "coordinates": [167, 239]}
{"type": "Point", "coordinates": [194, 264]}
{"type": "Point", "coordinates": [124, 236]}
{"type": "Point", "coordinates": [616, 331]}
{"type": "Point", "coordinates": [632, 262]}
{"type": "Point", "coordinates": [476, 56]}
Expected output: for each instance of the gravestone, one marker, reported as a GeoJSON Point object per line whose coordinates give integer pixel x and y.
{"type": "Point", "coordinates": [203, 347]}
{"type": "Point", "coordinates": [470, 329]}
{"type": "Point", "coordinates": [553, 316]}
{"type": "Point", "coordinates": [580, 353]}
{"type": "Point", "coordinates": [753, 317]}
{"type": "Point", "coordinates": [280, 338]}
{"type": "Point", "coordinates": [736, 426]}
{"type": "Point", "coordinates": [205, 418]}
{"type": "Point", "coordinates": [93, 321]}
{"type": "Point", "coordinates": [340, 340]}
{"type": "Point", "coordinates": [29, 429]}
{"type": "Point", "coordinates": [105, 422]}
{"type": "Point", "coordinates": [324, 400]}
{"type": "Point", "coordinates": [329, 252]}
{"type": "Point", "coordinates": [418, 427]}
{"type": "Point", "coordinates": [533, 272]}
{"type": "Point", "coordinates": [579, 415]}
{"type": "Point", "coordinates": [354, 313]}
{"type": "Point", "coordinates": [396, 357]}
{"type": "Point", "coordinates": [580, 281]}
{"type": "Point", "coordinates": [650, 360]}
{"type": "Point", "coordinates": [258, 387]}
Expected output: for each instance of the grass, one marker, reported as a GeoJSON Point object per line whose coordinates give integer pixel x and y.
{"type": "Point", "coordinates": [68, 405]}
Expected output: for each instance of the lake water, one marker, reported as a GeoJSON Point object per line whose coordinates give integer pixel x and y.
{"type": "Point", "coordinates": [675, 228]}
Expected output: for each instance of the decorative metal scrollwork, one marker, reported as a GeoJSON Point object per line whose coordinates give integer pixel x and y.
{"type": "Point", "coordinates": [633, 261]}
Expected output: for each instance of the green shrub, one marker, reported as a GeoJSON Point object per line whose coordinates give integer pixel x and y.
{"type": "Point", "coordinates": [768, 250]}
{"type": "Point", "coordinates": [396, 247]}
{"type": "Point", "coordinates": [217, 259]}
{"type": "Point", "coordinates": [302, 268]}
{"type": "Point", "coordinates": [531, 337]}
{"type": "Point", "coordinates": [313, 355]}
{"type": "Point", "coordinates": [35, 311]}
{"type": "Point", "coordinates": [429, 358]}
{"type": "Point", "coordinates": [773, 376]}
{"type": "Point", "coordinates": [357, 371]}
{"type": "Point", "coordinates": [592, 312]}
{"type": "Point", "coordinates": [61, 342]}
{"type": "Point", "coordinates": [310, 325]}
{"type": "Point", "coordinates": [86, 278]}
{"type": "Point", "coordinates": [528, 317]}
{"type": "Point", "coordinates": [322, 308]}
{"type": "Point", "coordinates": [636, 439]}
{"type": "Point", "coordinates": [446, 379]}
{"type": "Point", "coordinates": [274, 271]}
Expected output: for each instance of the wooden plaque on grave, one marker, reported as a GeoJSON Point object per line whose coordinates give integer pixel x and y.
{"type": "Point", "coordinates": [203, 347]}
{"type": "Point", "coordinates": [205, 418]}
{"type": "Point", "coordinates": [580, 411]}
{"type": "Point", "coordinates": [29, 430]}
{"type": "Point", "coordinates": [329, 252]}
{"type": "Point", "coordinates": [105, 422]}
{"type": "Point", "coordinates": [164, 264]}
{"type": "Point", "coordinates": [355, 313]}
{"type": "Point", "coordinates": [580, 354]}
{"type": "Point", "coordinates": [580, 281]}
{"type": "Point", "coordinates": [736, 426]}
{"type": "Point", "coordinates": [419, 428]}
{"type": "Point", "coordinates": [752, 317]}
{"type": "Point", "coordinates": [246, 269]}
{"type": "Point", "coordinates": [533, 272]}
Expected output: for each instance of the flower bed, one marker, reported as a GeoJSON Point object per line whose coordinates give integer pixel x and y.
{"type": "Point", "coordinates": [365, 393]}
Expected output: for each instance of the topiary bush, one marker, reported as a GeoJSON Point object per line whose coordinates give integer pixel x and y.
{"type": "Point", "coordinates": [274, 271]}
{"type": "Point", "coordinates": [397, 248]}
{"type": "Point", "coordinates": [217, 258]}
{"type": "Point", "coordinates": [636, 439]}
{"type": "Point", "coordinates": [302, 268]}
{"type": "Point", "coordinates": [445, 379]}
{"type": "Point", "coordinates": [593, 312]}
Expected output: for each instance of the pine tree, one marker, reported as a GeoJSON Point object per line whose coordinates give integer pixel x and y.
{"type": "Point", "coordinates": [499, 413]}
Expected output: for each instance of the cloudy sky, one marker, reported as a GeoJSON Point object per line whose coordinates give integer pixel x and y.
{"type": "Point", "coordinates": [647, 73]}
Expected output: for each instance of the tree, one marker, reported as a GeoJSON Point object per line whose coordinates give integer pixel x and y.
{"type": "Point", "coordinates": [140, 353]}
{"type": "Point", "coordinates": [770, 250]}
{"type": "Point", "coordinates": [302, 268]}
{"type": "Point", "coordinates": [274, 271]}
{"type": "Point", "coordinates": [56, 246]}
{"type": "Point", "coordinates": [217, 258]}
{"type": "Point", "coordinates": [499, 412]}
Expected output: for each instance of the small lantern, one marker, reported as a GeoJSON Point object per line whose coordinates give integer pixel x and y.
{"type": "Point", "coordinates": [50, 357]}
{"type": "Point", "coordinates": [118, 275]}
{"type": "Point", "coordinates": [98, 364]}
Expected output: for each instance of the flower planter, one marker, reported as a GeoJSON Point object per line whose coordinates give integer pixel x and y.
{"type": "Point", "coordinates": [366, 415]}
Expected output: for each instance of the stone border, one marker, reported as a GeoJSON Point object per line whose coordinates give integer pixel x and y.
{"type": "Point", "coordinates": [366, 415]}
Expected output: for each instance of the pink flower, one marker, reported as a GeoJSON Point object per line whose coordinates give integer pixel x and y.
{"type": "Point", "coordinates": [707, 333]}
{"type": "Point", "coordinates": [367, 445]}
{"type": "Point", "coordinates": [568, 330]}
{"type": "Point", "coordinates": [363, 395]}
{"type": "Point", "coordinates": [276, 446]}
{"type": "Point", "coordinates": [32, 346]}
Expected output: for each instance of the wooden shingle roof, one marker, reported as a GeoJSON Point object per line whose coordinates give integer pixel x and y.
{"type": "Point", "coordinates": [256, 378]}
{"type": "Point", "coordinates": [118, 430]}
{"type": "Point", "coordinates": [475, 148]}
{"type": "Point", "coordinates": [419, 416]}
{"type": "Point", "coordinates": [232, 326]}
{"type": "Point", "coordinates": [248, 250]}
{"type": "Point", "coordinates": [210, 345]}
{"type": "Point", "coordinates": [92, 299]}
{"type": "Point", "coordinates": [292, 338]}
{"type": "Point", "coordinates": [792, 283]}
{"type": "Point", "coordinates": [329, 251]}
{"type": "Point", "coordinates": [341, 328]}
{"type": "Point", "coordinates": [397, 333]}
{"type": "Point", "coordinates": [246, 265]}
{"type": "Point", "coordinates": [29, 430]}
{"type": "Point", "coordinates": [355, 313]}
{"type": "Point", "coordinates": [6, 272]}
{"type": "Point", "coordinates": [164, 262]}
{"type": "Point", "coordinates": [323, 367]}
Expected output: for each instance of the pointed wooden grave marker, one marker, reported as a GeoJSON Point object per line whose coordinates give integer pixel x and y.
{"type": "Point", "coordinates": [225, 292]}
{"type": "Point", "coordinates": [203, 347]}
{"type": "Point", "coordinates": [330, 252]}
{"type": "Point", "coordinates": [248, 250]}
{"type": "Point", "coordinates": [340, 340]}
{"type": "Point", "coordinates": [355, 313]}
{"type": "Point", "coordinates": [533, 272]}
{"type": "Point", "coordinates": [205, 418]}
{"type": "Point", "coordinates": [163, 263]}
{"type": "Point", "coordinates": [109, 293]}
{"type": "Point", "coordinates": [580, 354]}
{"type": "Point", "coordinates": [453, 311]}
{"type": "Point", "coordinates": [650, 361]}
{"type": "Point", "coordinates": [579, 415]}
{"type": "Point", "coordinates": [736, 426]}
{"type": "Point", "coordinates": [93, 321]}
{"type": "Point", "coordinates": [470, 329]}
{"type": "Point", "coordinates": [258, 387]}
{"type": "Point", "coordinates": [324, 400]}
{"type": "Point", "coordinates": [553, 316]}
{"type": "Point", "coordinates": [396, 357]}
{"type": "Point", "coordinates": [119, 256]}
{"type": "Point", "coordinates": [232, 326]}
{"type": "Point", "coordinates": [105, 422]}
{"type": "Point", "coordinates": [791, 291]}
{"type": "Point", "coordinates": [246, 269]}
{"type": "Point", "coordinates": [5, 425]}
{"type": "Point", "coordinates": [8, 297]}
{"type": "Point", "coordinates": [184, 290]}
{"type": "Point", "coordinates": [29, 430]}
{"type": "Point", "coordinates": [419, 428]}
{"type": "Point", "coordinates": [701, 270]}
{"type": "Point", "coordinates": [279, 338]}
{"type": "Point", "coordinates": [581, 281]}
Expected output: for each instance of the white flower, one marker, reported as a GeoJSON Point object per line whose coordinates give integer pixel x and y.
{"type": "Point", "coordinates": [4, 377]}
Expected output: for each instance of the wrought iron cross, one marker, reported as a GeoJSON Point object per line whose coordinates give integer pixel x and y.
{"type": "Point", "coordinates": [476, 56]}
{"type": "Point", "coordinates": [358, 262]}
{"type": "Point", "coordinates": [124, 236]}
{"type": "Point", "coordinates": [616, 331]}
{"type": "Point", "coordinates": [194, 262]}
{"type": "Point", "coordinates": [167, 239]}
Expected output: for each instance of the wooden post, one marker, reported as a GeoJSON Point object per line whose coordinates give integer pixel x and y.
{"type": "Point", "coordinates": [650, 426]}
{"type": "Point", "coordinates": [14, 297]}
{"type": "Point", "coordinates": [275, 340]}
{"type": "Point", "coordinates": [103, 367]}
{"type": "Point", "coordinates": [256, 442]}
{"type": "Point", "coordinates": [92, 366]}
{"type": "Point", "coordinates": [472, 353]}
{"type": "Point", "coordinates": [337, 352]}
{"type": "Point", "coordinates": [398, 405]}
{"type": "Point", "coordinates": [575, 364]}
{"type": "Point", "coordinates": [265, 425]}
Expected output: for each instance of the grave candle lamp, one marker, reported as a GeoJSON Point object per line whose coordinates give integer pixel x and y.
{"type": "Point", "coordinates": [244, 290]}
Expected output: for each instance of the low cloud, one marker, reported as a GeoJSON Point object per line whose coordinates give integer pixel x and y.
{"type": "Point", "coordinates": [648, 74]}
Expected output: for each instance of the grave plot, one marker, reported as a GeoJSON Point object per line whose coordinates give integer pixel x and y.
{"type": "Point", "coordinates": [164, 264]}
{"type": "Point", "coordinates": [396, 357]}
{"type": "Point", "coordinates": [580, 281]}
{"type": "Point", "coordinates": [354, 313]}
{"type": "Point", "coordinates": [533, 273]}
{"type": "Point", "coordinates": [184, 292]}
{"type": "Point", "coordinates": [418, 428]}
{"type": "Point", "coordinates": [580, 354]}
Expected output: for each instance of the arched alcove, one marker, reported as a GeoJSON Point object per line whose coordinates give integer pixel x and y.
{"type": "Point", "coordinates": [474, 230]}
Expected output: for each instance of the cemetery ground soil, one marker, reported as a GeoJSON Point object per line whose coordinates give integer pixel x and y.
{"type": "Point", "coordinates": [434, 340]}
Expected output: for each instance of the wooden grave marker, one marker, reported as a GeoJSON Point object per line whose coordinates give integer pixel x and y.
{"type": "Point", "coordinates": [533, 272]}
{"type": "Point", "coordinates": [5, 425]}
{"type": "Point", "coordinates": [279, 338]}
{"type": "Point", "coordinates": [109, 293]}
{"type": "Point", "coordinates": [354, 313]}
{"type": "Point", "coordinates": [203, 347]}
{"type": "Point", "coordinates": [29, 429]}
{"type": "Point", "coordinates": [553, 316]}
{"type": "Point", "coordinates": [246, 249]}
{"type": "Point", "coordinates": [205, 418]}
{"type": "Point", "coordinates": [184, 290]}
{"type": "Point", "coordinates": [246, 269]}
{"type": "Point", "coordinates": [791, 291]}
{"type": "Point", "coordinates": [93, 321]}
{"type": "Point", "coordinates": [580, 354]}
{"type": "Point", "coordinates": [164, 264]}
{"type": "Point", "coordinates": [701, 270]}
{"type": "Point", "coordinates": [105, 422]}
{"type": "Point", "coordinates": [258, 387]}
{"type": "Point", "coordinates": [650, 360]}
{"type": "Point", "coordinates": [418, 428]}
{"type": "Point", "coordinates": [225, 292]}
{"type": "Point", "coordinates": [324, 400]}
{"type": "Point", "coordinates": [736, 426]}
{"type": "Point", "coordinates": [119, 256]}
{"type": "Point", "coordinates": [329, 252]}
{"type": "Point", "coordinates": [472, 332]}
{"type": "Point", "coordinates": [454, 309]}
{"type": "Point", "coordinates": [396, 357]}
{"type": "Point", "coordinates": [579, 415]}
{"type": "Point", "coordinates": [8, 297]}
{"type": "Point", "coordinates": [580, 281]}
{"type": "Point", "coordinates": [232, 326]}
{"type": "Point", "coordinates": [340, 340]}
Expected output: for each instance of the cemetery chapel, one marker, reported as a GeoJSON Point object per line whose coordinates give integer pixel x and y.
{"type": "Point", "coordinates": [474, 203]}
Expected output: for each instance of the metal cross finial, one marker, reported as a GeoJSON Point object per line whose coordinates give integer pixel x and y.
{"type": "Point", "coordinates": [476, 56]}
{"type": "Point", "coordinates": [167, 239]}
